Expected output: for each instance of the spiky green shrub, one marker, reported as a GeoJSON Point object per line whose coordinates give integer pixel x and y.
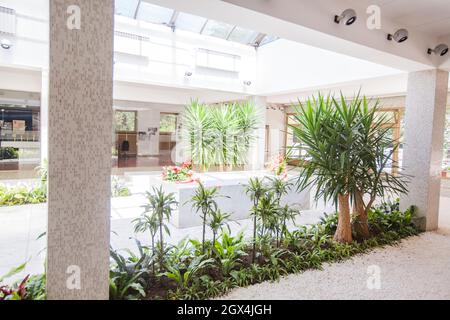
{"type": "Point", "coordinates": [219, 135]}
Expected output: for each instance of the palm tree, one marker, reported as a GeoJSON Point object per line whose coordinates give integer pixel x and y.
{"type": "Point", "coordinates": [346, 156]}
{"type": "Point", "coordinates": [327, 132]}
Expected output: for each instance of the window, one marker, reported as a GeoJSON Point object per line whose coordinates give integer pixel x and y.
{"type": "Point", "coordinates": [243, 36]}
{"type": "Point", "coordinates": [20, 147]}
{"type": "Point", "coordinates": [125, 121]}
{"type": "Point", "coordinates": [144, 11]}
{"type": "Point", "coordinates": [126, 8]}
{"type": "Point", "coordinates": [168, 123]}
{"type": "Point", "coordinates": [154, 14]}
{"type": "Point", "coordinates": [217, 29]}
{"type": "Point", "coordinates": [294, 147]}
{"type": "Point", "coordinates": [189, 22]}
{"type": "Point", "coordinates": [391, 118]}
{"type": "Point", "coordinates": [268, 39]}
{"type": "Point", "coordinates": [217, 60]}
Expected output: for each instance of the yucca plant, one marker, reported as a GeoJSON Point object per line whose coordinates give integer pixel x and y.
{"type": "Point", "coordinates": [346, 156]}
{"type": "Point", "coordinates": [197, 124]}
{"type": "Point", "coordinates": [248, 119]}
{"type": "Point", "coordinates": [375, 152]}
{"type": "Point", "coordinates": [220, 135]}
{"type": "Point", "coordinates": [224, 130]}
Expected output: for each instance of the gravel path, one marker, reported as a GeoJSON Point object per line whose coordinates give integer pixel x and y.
{"type": "Point", "coordinates": [419, 268]}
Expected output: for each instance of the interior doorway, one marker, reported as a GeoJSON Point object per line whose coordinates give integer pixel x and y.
{"type": "Point", "coordinates": [168, 134]}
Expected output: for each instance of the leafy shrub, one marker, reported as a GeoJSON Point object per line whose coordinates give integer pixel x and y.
{"type": "Point", "coordinates": [8, 153]}
{"type": "Point", "coordinates": [190, 272]}
{"type": "Point", "coordinates": [119, 188]}
{"type": "Point", "coordinates": [21, 195]}
{"type": "Point", "coordinates": [30, 288]}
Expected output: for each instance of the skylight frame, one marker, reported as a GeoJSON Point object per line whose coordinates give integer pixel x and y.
{"type": "Point", "coordinates": [170, 18]}
{"type": "Point", "coordinates": [155, 14]}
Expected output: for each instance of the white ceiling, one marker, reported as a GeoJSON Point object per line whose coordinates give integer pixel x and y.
{"type": "Point", "coordinates": [429, 16]}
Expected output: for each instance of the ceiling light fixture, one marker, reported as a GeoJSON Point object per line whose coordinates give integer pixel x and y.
{"type": "Point", "coordinates": [440, 50]}
{"type": "Point", "coordinates": [348, 16]}
{"type": "Point", "coordinates": [399, 36]}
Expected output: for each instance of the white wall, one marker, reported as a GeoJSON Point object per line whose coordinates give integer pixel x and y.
{"type": "Point", "coordinates": [285, 65]}
{"type": "Point", "coordinates": [30, 45]}
{"type": "Point", "coordinates": [148, 116]}
{"type": "Point", "coordinates": [166, 57]}
{"type": "Point", "coordinates": [276, 120]}
{"type": "Point", "coordinates": [148, 119]}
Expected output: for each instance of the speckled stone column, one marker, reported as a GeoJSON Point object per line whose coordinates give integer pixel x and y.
{"type": "Point", "coordinates": [424, 135]}
{"type": "Point", "coordinates": [80, 129]}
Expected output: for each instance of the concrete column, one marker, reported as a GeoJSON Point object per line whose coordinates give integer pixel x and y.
{"type": "Point", "coordinates": [424, 134]}
{"type": "Point", "coordinates": [257, 153]}
{"type": "Point", "coordinates": [80, 128]}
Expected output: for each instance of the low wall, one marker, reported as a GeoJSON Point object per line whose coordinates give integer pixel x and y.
{"type": "Point", "coordinates": [234, 200]}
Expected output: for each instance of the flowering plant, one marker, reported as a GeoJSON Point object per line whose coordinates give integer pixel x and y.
{"type": "Point", "coordinates": [181, 173]}
{"type": "Point", "coordinates": [278, 165]}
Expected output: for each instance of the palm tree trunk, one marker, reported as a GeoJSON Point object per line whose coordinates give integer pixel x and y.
{"type": "Point", "coordinates": [344, 229]}
{"type": "Point", "coordinates": [360, 223]}
{"type": "Point", "coordinates": [254, 240]}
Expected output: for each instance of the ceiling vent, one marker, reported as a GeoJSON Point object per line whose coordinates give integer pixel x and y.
{"type": "Point", "coordinates": [131, 36]}
{"type": "Point", "coordinates": [7, 21]}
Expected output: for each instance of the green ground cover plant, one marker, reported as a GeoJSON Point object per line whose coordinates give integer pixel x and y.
{"type": "Point", "coordinates": [206, 269]}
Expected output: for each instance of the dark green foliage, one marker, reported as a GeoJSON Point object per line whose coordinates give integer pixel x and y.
{"type": "Point", "coordinates": [227, 263]}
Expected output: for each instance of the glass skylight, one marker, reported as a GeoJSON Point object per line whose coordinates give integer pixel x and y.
{"type": "Point", "coordinates": [243, 36]}
{"type": "Point", "coordinates": [217, 29]}
{"type": "Point", "coordinates": [154, 14]}
{"type": "Point", "coordinates": [268, 39]}
{"type": "Point", "coordinates": [145, 11]}
{"type": "Point", "coordinates": [189, 22]}
{"type": "Point", "coordinates": [126, 8]}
